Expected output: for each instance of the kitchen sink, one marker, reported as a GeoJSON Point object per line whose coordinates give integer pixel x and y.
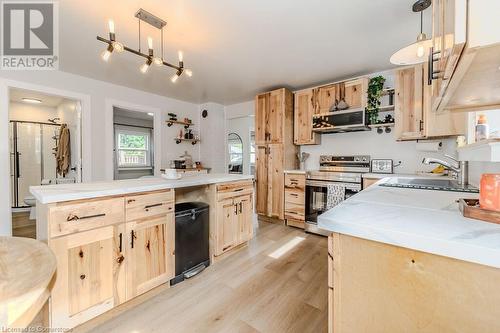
{"type": "Point", "coordinates": [430, 184]}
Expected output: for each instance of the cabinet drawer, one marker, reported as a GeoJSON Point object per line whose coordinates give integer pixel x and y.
{"type": "Point", "coordinates": [294, 211]}
{"type": "Point", "coordinates": [230, 190]}
{"type": "Point", "coordinates": [295, 197]}
{"type": "Point", "coordinates": [295, 181]}
{"type": "Point", "coordinates": [147, 205]}
{"type": "Point", "coordinates": [72, 217]}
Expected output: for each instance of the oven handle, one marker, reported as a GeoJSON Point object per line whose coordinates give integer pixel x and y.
{"type": "Point", "coordinates": [350, 186]}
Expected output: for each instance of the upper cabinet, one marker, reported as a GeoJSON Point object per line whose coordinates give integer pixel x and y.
{"type": "Point", "coordinates": [463, 68]}
{"type": "Point", "coordinates": [270, 119]}
{"type": "Point", "coordinates": [303, 118]}
{"type": "Point", "coordinates": [321, 101]}
{"type": "Point", "coordinates": [414, 116]}
{"type": "Point", "coordinates": [409, 103]}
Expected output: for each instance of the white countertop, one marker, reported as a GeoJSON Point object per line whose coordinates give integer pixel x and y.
{"type": "Point", "coordinates": [67, 192]}
{"type": "Point", "coordinates": [303, 172]}
{"type": "Point", "coordinates": [423, 220]}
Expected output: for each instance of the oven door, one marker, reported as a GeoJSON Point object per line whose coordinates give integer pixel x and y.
{"type": "Point", "coordinates": [316, 197]}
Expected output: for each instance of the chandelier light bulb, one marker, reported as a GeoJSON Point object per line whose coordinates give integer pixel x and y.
{"type": "Point", "coordinates": [106, 54]}
{"type": "Point", "coordinates": [420, 50]}
{"type": "Point", "coordinates": [174, 78]}
{"type": "Point", "coordinates": [111, 26]}
{"type": "Point", "coordinates": [188, 72]}
{"type": "Point", "coordinates": [117, 46]}
{"type": "Point", "coordinates": [181, 56]}
{"type": "Point", "coordinates": [144, 67]}
{"type": "Point", "coordinates": [150, 43]}
{"type": "Point", "coordinates": [157, 61]}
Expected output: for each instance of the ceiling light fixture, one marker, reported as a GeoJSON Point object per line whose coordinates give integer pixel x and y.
{"type": "Point", "coordinates": [31, 100]}
{"type": "Point", "coordinates": [417, 52]}
{"type": "Point", "coordinates": [114, 45]}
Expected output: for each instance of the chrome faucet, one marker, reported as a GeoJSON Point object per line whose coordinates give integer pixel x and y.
{"type": "Point", "coordinates": [459, 168]}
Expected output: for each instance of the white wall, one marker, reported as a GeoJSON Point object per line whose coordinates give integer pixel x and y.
{"type": "Point", "coordinates": [213, 139]}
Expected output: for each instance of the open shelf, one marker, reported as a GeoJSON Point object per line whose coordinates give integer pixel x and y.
{"type": "Point", "coordinates": [483, 151]}
{"type": "Point", "coordinates": [388, 91]}
{"type": "Point", "coordinates": [193, 141]}
{"type": "Point", "coordinates": [185, 124]}
{"type": "Point", "coordinates": [381, 125]}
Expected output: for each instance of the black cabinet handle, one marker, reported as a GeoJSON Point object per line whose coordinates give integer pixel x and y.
{"type": "Point", "coordinates": [132, 236]}
{"type": "Point", "coordinates": [238, 190]}
{"type": "Point", "coordinates": [121, 240]}
{"type": "Point", "coordinates": [72, 217]}
{"type": "Point", "coordinates": [151, 206]}
{"type": "Point", "coordinates": [432, 74]}
{"type": "Point", "coordinates": [241, 207]}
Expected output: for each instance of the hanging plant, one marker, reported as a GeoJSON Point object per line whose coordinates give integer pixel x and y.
{"type": "Point", "coordinates": [375, 87]}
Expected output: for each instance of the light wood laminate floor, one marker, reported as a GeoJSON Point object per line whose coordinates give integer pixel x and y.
{"type": "Point", "coordinates": [276, 284]}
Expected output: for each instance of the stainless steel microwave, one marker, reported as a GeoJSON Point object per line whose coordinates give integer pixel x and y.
{"type": "Point", "coordinates": [342, 121]}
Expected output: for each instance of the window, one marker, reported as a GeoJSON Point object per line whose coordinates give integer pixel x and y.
{"type": "Point", "coordinates": [133, 147]}
{"type": "Point", "coordinates": [235, 146]}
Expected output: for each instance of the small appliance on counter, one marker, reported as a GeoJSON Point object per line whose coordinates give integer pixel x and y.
{"type": "Point", "coordinates": [385, 166]}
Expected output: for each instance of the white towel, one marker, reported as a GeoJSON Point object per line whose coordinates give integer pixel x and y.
{"type": "Point", "coordinates": [335, 195]}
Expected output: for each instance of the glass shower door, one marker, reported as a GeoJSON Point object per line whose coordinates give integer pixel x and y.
{"type": "Point", "coordinates": [28, 159]}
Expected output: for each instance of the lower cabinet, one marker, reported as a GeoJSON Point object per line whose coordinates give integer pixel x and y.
{"type": "Point", "coordinates": [150, 253]}
{"type": "Point", "coordinates": [90, 275]}
{"type": "Point", "coordinates": [295, 205]}
{"type": "Point", "coordinates": [114, 261]}
{"type": "Point", "coordinates": [233, 223]}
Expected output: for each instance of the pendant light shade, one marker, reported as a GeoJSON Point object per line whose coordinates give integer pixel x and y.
{"type": "Point", "coordinates": [417, 52]}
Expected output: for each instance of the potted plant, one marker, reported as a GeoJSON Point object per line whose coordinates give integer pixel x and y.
{"type": "Point", "coordinates": [375, 87]}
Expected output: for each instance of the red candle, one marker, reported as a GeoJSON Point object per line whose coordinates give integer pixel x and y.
{"type": "Point", "coordinates": [489, 192]}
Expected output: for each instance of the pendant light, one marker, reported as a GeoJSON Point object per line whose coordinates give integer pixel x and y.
{"type": "Point", "coordinates": [417, 52]}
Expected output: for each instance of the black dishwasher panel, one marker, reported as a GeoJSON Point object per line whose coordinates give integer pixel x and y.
{"type": "Point", "coordinates": [191, 240]}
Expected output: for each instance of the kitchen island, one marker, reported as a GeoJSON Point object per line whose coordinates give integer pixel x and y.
{"type": "Point", "coordinates": [115, 240]}
{"type": "Point", "coordinates": [407, 260]}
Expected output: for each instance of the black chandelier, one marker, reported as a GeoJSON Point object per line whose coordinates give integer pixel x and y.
{"type": "Point", "coordinates": [114, 45]}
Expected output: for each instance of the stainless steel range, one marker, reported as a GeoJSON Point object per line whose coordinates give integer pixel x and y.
{"type": "Point", "coordinates": [344, 171]}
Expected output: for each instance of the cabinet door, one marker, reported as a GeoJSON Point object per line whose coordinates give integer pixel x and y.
{"type": "Point", "coordinates": [326, 96]}
{"type": "Point", "coordinates": [303, 118]}
{"type": "Point", "coordinates": [261, 179]}
{"type": "Point", "coordinates": [245, 218]}
{"type": "Point", "coordinates": [90, 275]}
{"type": "Point", "coordinates": [450, 20]}
{"type": "Point", "coordinates": [275, 178]}
{"type": "Point", "coordinates": [275, 116]}
{"type": "Point", "coordinates": [227, 226]}
{"type": "Point", "coordinates": [261, 111]}
{"type": "Point", "coordinates": [355, 93]}
{"type": "Point", "coordinates": [409, 111]}
{"type": "Point", "coordinates": [150, 253]}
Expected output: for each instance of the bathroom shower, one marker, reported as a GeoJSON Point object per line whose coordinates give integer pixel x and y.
{"type": "Point", "coordinates": [32, 149]}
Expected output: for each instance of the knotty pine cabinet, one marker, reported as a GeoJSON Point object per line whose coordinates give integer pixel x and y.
{"type": "Point", "coordinates": [414, 116]}
{"type": "Point", "coordinates": [353, 92]}
{"type": "Point", "coordinates": [295, 205]}
{"type": "Point", "coordinates": [108, 251]}
{"type": "Point", "coordinates": [275, 150]}
{"type": "Point", "coordinates": [303, 118]}
{"type": "Point", "coordinates": [233, 225]}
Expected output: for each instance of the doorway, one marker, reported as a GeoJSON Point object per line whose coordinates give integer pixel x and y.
{"type": "Point", "coordinates": [44, 149]}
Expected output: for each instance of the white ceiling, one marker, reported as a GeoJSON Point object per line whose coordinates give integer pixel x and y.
{"type": "Point", "coordinates": [17, 95]}
{"type": "Point", "coordinates": [239, 48]}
